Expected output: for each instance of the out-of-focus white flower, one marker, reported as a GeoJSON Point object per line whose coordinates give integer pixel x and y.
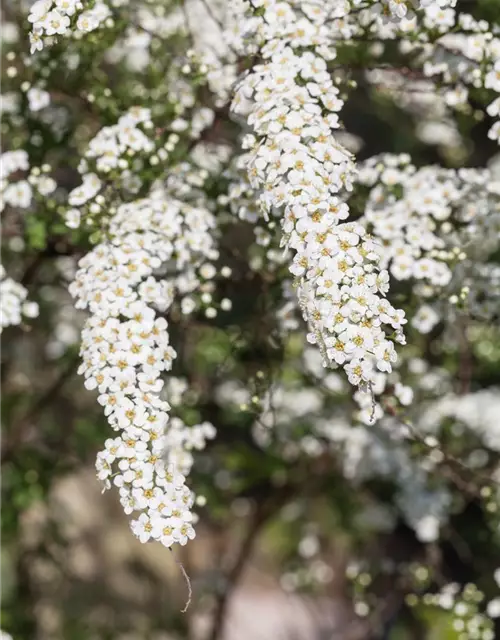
{"type": "Point", "coordinates": [37, 98]}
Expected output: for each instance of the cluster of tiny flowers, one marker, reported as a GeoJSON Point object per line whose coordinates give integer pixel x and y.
{"type": "Point", "coordinates": [466, 51]}
{"type": "Point", "coordinates": [478, 51]}
{"type": "Point", "coordinates": [410, 226]}
{"type": "Point", "coordinates": [125, 349]}
{"type": "Point", "coordinates": [294, 160]}
{"type": "Point", "coordinates": [13, 303]}
{"type": "Point", "coordinates": [38, 99]}
{"type": "Point", "coordinates": [17, 194]}
{"type": "Point", "coordinates": [369, 453]}
{"type": "Point", "coordinates": [53, 18]}
{"type": "Point", "coordinates": [395, 10]}
{"type": "Point", "coordinates": [450, 45]}
{"type": "Point", "coordinates": [477, 411]}
{"type": "Point", "coordinates": [111, 150]}
{"type": "Point", "coordinates": [115, 156]}
{"type": "Point", "coordinates": [433, 9]}
{"type": "Point", "coordinates": [432, 223]}
{"type": "Point", "coordinates": [465, 604]}
{"type": "Point", "coordinates": [124, 138]}
{"type": "Point", "coordinates": [20, 193]}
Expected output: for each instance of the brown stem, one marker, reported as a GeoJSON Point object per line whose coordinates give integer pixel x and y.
{"type": "Point", "coordinates": [262, 514]}
{"type": "Point", "coordinates": [466, 361]}
{"type": "Point", "coordinates": [233, 575]}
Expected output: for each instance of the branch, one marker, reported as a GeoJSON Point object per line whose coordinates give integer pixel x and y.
{"type": "Point", "coordinates": [263, 512]}
{"type": "Point", "coordinates": [20, 430]}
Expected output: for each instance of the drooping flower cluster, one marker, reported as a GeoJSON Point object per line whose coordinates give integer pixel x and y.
{"type": "Point", "coordinates": [291, 104]}
{"type": "Point", "coordinates": [13, 302]}
{"type": "Point", "coordinates": [53, 18]}
{"type": "Point", "coordinates": [126, 348]}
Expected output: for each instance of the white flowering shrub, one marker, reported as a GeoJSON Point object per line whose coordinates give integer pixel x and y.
{"type": "Point", "coordinates": [266, 235]}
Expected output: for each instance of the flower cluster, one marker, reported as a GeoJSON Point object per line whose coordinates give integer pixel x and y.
{"type": "Point", "coordinates": [477, 45]}
{"type": "Point", "coordinates": [38, 99]}
{"type": "Point", "coordinates": [451, 46]}
{"type": "Point", "coordinates": [476, 410]}
{"type": "Point", "coordinates": [411, 227]}
{"type": "Point", "coordinates": [117, 154]}
{"type": "Point", "coordinates": [466, 606]}
{"type": "Point", "coordinates": [14, 304]}
{"type": "Point", "coordinates": [111, 151]}
{"type": "Point", "coordinates": [52, 18]}
{"type": "Point", "coordinates": [16, 194]}
{"type": "Point", "coordinates": [19, 193]}
{"type": "Point", "coordinates": [398, 9]}
{"type": "Point", "coordinates": [124, 138]}
{"type": "Point", "coordinates": [126, 348]}
{"type": "Point", "coordinates": [291, 104]}
{"type": "Point", "coordinates": [432, 223]}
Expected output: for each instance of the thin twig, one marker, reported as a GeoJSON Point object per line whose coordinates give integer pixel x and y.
{"type": "Point", "coordinates": [188, 582]}
{"type": "Point", "coordinates": [412, 435]}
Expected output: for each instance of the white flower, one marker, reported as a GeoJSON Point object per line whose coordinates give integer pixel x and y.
{"type": "Point", "coordinates": [183, 533]}
{"type": "Point", "coordinates": [55, 23]}
{"type": "Point", "coordinates": [494, 132]}
{"type": "Point", "coordinates": [72, 218]}
{"type": "Point", "coordinates": [18, 194]}
{"type": "Point", "coordinates": [425, 319]}
{"type": "Point", "coordinates": [427, 528]}
{"type": "Point", "coordinates": [385, 355]}
{"type": "Point", "coordinates": [85, 192]}
{"type": "Point", "coordinates": [67, 7]}
{"type": "Point", "coordinates": [87, 21]}
{"type": "Point", "coordinates": [359, 371]}
{"type": "Point", "coordinates": [403, 393]}
{"type": "Point", "coordinates": [36, 41]}
{"type": "Point", "coordinates": [493, 108]}
{"type": "Point", "coordinates": [38, 99]}
{"type": "Point", "coordinates": [39, 10]}
{"type": "Point", "coordinates": [492, 78]}
{"type": "Point", "coordinates": [13, 303]}
{"type": "Point", "coordinates": [142, 527]}
{"type": "Point", "coordinates": [12, 161]}
{"type": "Point", "coordinates": [30, 309]}
{"type": "Point", "coordinates": [493, 608]}
{"type": "Point", "coordinates": [46, 185]}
